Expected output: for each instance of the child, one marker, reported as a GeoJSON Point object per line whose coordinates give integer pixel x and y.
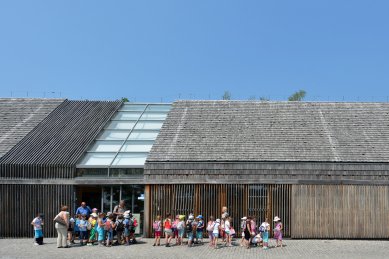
{"type": "Point", "coordinates": [93, 226]}
{"type": "Point", "coordinates": [210, 226]}
{"type": "Point", "coordinates": [109, 226]}
{"type": "Point", "coordinates": [100, 229]}
{"type": "Point", "coordinates": [119, 229]}
{"type": "Point", "coordinates": [157, 227]}
{"type": "Point", "coordinates": [174, 228]}
{"type": "Point", "coordinates": [127, 229]}
{"type": "Point", "coordinates": [189, 229]}
{"type": "Point", "coordinates": [37, 222]}
{"type": "Point", "coordinates": [199, 229]}
{"type": "Point", "coordinates": [167, 225]}
{"type": "Point", "coordinates": [83, 230]}
{"type": "Point", "coordinates": [215, 231]}
{"type": "Point", "coordinates": [181, 229]}
{"type": "Point", "coordinates": [76, 231]}
{"type": "Point", "coordinates": [227, 229]}
{"type": "Point", "coordinates": [278, 231]}
{"type": "Point", "coordinates": [265, 228]}
{"type": "Point", "coordinates": [70, 228]}
{"type": "Point", "coordinates": [242, 228]}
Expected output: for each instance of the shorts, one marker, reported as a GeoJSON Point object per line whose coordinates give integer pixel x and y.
{"type": "Point", "coordinates": [199, 234]}
{"type": "Point", "coordinates": [210, 235]}
{"type": "Point", "coordinates": [101, 234]}
{"type": "Point", "coordinates": [157, 233]}
{"type": "Point", "coordinates": [175, 232]}
{"type": "Point", "coordinates": [83, 235]}
{"type": "Point", "coordinates": [70, 229]}
{"type": "Point", "coordinates": [227, 232]}
{"type": "Point", "coordinates": [181, 232]}
{"type": "Point", "coordinates": [168, 232]}
{"type": "Point", "coordinates": [38, 233]}
{"type": "Point", "coordinates": [126, 232]}
{"type": "Point", "coordinates": [190, 236]}
{"type": "Point", "coordinates": [247, 235]}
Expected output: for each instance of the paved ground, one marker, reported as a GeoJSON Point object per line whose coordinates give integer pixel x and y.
{"type": "Point", "coordinates": [24, 248]}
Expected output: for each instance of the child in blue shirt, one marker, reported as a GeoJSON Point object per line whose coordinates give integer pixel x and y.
{"type": "Point", "coordinates": [37, 223]}
{"type": "Point", "coordinates": [82, 226]}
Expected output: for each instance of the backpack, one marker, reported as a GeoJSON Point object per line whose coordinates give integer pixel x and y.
{"type": "Point", "coordinates": [174, 224]}
{"type": "Point", "coordinates": [189, 227]}
{"type": "Point", "coordinates": [120, 226]}
{"type": "Point", "coordinates": [107, 225]}
{"type": "Point", "coordinates": [211, 226]}
{"type": "Point", "coordinates": [156, 225]}
{"type": "Point", "coordinates": [261, 229]}
{"type": "Point", "coordinates": [135, 223]}
{"type": "Point", "coordinates": [167, 224]}
{"type": "Point", "coordinates": [180, 225]}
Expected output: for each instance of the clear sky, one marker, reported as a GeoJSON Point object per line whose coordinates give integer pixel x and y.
{"type": "Point", "coordinates": [165, 50]}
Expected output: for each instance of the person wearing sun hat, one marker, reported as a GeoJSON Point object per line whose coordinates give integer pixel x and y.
{"type": "Point", "coordinates": [216, 229]}
{"type": "Point", "coordinates": [278, 231]}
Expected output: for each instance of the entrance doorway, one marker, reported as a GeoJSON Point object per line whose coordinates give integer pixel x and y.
{"type": "Point", "coordinates": [106, 197]}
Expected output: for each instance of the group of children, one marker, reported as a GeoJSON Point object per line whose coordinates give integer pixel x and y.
{"type": "Point", "coordinates": [194, 227]}
{"type": "Point", "coordinates": [99, 228]}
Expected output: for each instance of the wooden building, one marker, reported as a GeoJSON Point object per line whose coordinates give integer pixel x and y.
{"type": "Point", "coordinates": [321, 167]}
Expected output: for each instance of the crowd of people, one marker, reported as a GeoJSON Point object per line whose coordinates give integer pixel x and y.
{"type": "Point", "coordinates": [90, 227]}
{"type": "Point", "coordinates": [193, 228]}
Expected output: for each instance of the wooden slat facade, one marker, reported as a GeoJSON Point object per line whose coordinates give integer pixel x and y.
{"type": "Point", "coordinates": [20, 203]}
{"type": "Point", "coordinates": [257, 200]}
{"type": "Point", "coordinates": [340, 211]}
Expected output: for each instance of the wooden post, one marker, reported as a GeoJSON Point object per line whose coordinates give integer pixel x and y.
{"type": "Point", "coordinates": [147, 212]}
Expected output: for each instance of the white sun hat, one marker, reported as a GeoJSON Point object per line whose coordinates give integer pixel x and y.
{"type": "Point", "coordinates": [276, 218]}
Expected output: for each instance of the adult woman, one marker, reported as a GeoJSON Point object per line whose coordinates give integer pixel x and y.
{"type": "Point", "coordinates": [62, 230]}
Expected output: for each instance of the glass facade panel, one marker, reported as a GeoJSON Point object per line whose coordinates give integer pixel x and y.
{"type": "Point", "coordinates": [137, 146]}
{"type": "Point", "coordinates": [135, 159]}
{"type": "Point", "coordinates": [149, 125]}
{"type": "Point", "coordinates": [137, 135]}
{"type": "Point", "coordinates": [113, 135]}
{"type": "Point", "coordinates": [127, 116]}
{"type": "Point", "coordinates": [106, 146]}
{"type": "Point", "coordinates": [154, 116]}
{"type": "Point", "coordinates": [128, 125]}
{"type": "Point", "coordinates": [98, 159]}
{"type": "Point", "coordinates": [126, 139]}
{"type": "Point", "coordinates": [159, 107]}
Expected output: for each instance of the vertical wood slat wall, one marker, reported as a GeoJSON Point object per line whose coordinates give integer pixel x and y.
{"type": "Point", "coordinates": [340, 211]}
{"type": "Point", "coordinates": [257, 200]}
{"type": "Point", "coordinates": [20, 203]}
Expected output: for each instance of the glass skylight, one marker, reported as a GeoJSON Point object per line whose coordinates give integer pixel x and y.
{"type": "Point", "coordinates": [127, 139]}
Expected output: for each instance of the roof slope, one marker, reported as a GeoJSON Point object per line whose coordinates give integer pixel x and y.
{"type": "Point", "coordinates": [18, 116]}
{"type": "Point", "coordinates": [63, 136]}
{"type": "Point", "coordinates": [274, 131]}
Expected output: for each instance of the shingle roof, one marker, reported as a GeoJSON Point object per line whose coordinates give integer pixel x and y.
{"type": "Point", "coordinates": [274, 131]}
{"type": "Point", "coordinates": [18, 116]}
{"type": "Point", "coordinates": [64, 135]}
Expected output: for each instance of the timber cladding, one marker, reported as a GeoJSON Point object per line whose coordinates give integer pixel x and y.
{"type": "Point", "coordinates": [340, 211]}
{"type": "Point", "coordinates": [20, 203]}
{"type": "Point", "coordinates": [257, 200]}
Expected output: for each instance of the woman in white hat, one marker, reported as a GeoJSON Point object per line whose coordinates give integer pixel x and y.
{"type": "Point", "coordinates": [278, 231]}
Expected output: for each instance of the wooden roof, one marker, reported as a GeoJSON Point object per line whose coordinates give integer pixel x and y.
{"type": "Point", "coordinates": [273, 131]}
{"type": "Point", "coordinates": [63, 136]}
{"type": "Point", "coordinates": [18, 116]}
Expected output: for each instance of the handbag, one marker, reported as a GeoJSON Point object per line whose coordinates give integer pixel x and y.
{"type": "Point", "coordinates": [59, 220]}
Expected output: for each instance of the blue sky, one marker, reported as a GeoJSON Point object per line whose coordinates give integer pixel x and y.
{"type": "Point", "coordinates": [166, 50]}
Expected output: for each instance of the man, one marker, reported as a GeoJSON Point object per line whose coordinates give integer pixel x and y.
{"type": "Point", "coordinates": [119, 209]}
{"type": "Point", "coordinates": [83, 209]}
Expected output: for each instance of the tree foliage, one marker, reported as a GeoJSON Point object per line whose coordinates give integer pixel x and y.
{"type": "Point", "coordinates": [297, 96]}
{"type": "Point", "coordinates": [226, 95]}
{"type": "Point", "coordinates": [125, 99]}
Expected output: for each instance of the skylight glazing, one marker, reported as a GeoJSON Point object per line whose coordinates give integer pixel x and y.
{"type": "Point", "coordinates": [127, 138]}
